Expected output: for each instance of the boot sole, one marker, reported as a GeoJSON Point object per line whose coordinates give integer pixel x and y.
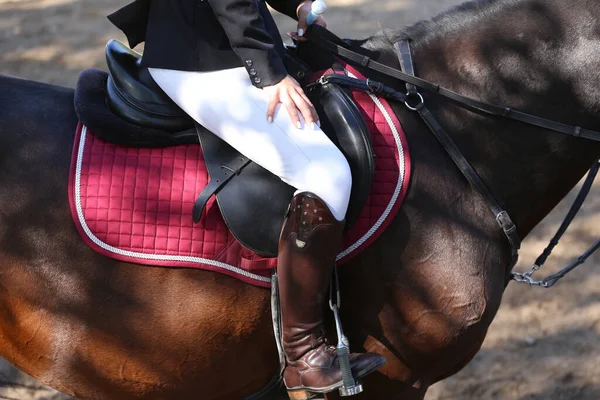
{"type": "Point", "coordinates": [308, 393]}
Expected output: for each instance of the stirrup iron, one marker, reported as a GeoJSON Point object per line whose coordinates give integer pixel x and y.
{"type": "Point", "coordinates": [350, 386]}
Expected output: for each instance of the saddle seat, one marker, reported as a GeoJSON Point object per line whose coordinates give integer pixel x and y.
{"type": "Point", "coordinates": [133, 95]}
{"type": "Point", "coordinates": [253, 201]}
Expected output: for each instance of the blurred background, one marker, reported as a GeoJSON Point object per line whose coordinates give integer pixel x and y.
{"type": "Point", "coordinates": [543, 344]}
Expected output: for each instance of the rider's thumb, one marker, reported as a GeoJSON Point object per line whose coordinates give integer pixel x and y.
{"type": "Point", "coordinates": [302, 27]}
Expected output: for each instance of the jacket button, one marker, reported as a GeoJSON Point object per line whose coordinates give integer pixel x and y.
{"type": "Point", "coordinates": [248, 63]}
{"type": "Point", "coordinates": [252, 71]}
{"type": "Point", "coordinates": [256, 79]}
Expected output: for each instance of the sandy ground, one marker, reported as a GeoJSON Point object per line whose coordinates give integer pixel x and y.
{"type": "Point", "coordinates": [543, 344]}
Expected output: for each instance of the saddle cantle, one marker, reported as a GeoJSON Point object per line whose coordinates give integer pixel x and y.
{"type": "Point", "coordinates": [133, 95]}
{"type": "Point", "coordinates": [252, 201]}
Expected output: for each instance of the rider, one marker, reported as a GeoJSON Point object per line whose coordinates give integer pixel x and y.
{"type": "Point", "coordinates": [221, 62]}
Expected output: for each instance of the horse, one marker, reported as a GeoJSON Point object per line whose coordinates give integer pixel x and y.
{"type": "Point", "coordinates": [430, 286]}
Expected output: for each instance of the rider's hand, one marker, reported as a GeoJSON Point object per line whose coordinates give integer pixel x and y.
{"type": "Point", "coordinates": [290, 94]}
{"type": "Point", "coordinates": [302, 12]}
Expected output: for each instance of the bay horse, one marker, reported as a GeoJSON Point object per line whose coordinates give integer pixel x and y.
{"type": "Point", "coordinates": [96, 328]}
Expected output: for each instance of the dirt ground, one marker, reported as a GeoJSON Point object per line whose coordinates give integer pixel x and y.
{"type": "Point", "coordinates": [543, 344]}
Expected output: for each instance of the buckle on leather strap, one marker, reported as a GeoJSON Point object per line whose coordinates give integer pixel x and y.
{"type": "Point", "coordinates": [365, 61]}
{"type": "Point", "coordinates": [505, 222]}
{"type": "Point", "coordinates": [376, 87]}
{"type": "Point", "coordinates": [509, 228]}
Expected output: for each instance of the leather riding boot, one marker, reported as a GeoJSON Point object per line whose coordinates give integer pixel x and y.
{"type": "Point", "coordinates": [308, 245]}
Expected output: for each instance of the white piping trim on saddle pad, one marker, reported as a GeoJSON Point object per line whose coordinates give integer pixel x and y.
{"type": "Point", "coordinates": [399, 184]}
{"type": "Point", "coordinates": [159, 257]}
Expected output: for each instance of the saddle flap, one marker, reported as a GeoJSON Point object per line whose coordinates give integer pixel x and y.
{"type": "Point", "coordinates": [254, 201]}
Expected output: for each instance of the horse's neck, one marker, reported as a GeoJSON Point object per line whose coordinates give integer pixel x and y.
{"type": "Point", "coordinates": [536, 61]}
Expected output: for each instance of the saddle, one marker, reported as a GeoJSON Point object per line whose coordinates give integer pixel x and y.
{"type": "Point", "coordinates": [253, 201]}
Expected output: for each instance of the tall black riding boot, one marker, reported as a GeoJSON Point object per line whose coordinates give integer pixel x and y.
{"type": "Point", "coordinates": [309, 242]}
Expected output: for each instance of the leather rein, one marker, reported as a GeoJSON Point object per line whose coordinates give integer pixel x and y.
{"type": "Point", "coordinates": [414, 101]}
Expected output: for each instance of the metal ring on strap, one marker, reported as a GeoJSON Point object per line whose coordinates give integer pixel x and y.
{"type": "Point", "coordinates": [418, 105]}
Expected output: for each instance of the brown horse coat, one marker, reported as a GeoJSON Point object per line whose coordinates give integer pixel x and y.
{"type": "Point", "coordinates": [423, 295]}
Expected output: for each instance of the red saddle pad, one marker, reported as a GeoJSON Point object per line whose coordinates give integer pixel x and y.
{"type": "Point", "coordinates": [135, 204]}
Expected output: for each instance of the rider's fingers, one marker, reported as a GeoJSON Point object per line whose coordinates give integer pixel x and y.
{"type": "Point", "coordinates": [304, 96]}
{"type": "Point", "coordinates": [290, 106]}
{"type": "Point", "coordinates": [301, 27]}
{"type": "Point", "coordinates": [273, 101]}
{"type": "Point", "coordinates": [314, 111]}
{"type": "Point", "coordinates": [305, 108]}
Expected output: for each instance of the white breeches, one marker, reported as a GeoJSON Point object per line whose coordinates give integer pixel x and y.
{"type": "Point", "coordinates": [226, 103]}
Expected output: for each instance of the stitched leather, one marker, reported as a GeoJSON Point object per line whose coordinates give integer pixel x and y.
{"type": "Point", "coordinates": [339, 114]}
{"type": "Point", "coordinates": [309, 241]}
{"type": "Point", "coordinates": [322, 38]}
{"type": "Point", "coordinates": [133, 95]}
{"type": "Point", "coordinates": [242, 199]}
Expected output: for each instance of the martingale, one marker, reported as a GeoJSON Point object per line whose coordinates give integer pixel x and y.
{"type": "Point", "coordinates": [330, 42]}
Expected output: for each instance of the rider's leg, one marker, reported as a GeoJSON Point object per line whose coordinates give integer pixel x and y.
{"type": "Point", "coordinates": [226, 103]}
{"type": "Point", "coordinates": [308, 246]}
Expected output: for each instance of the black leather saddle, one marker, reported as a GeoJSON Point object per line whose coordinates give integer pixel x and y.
{"type": "Point", "coordinates": [133, 95]}
{"type": "Point", "coordinates": [253, 201]}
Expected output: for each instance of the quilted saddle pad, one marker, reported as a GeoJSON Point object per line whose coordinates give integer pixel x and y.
{"type": "Point", "coordinates": [135, 204]}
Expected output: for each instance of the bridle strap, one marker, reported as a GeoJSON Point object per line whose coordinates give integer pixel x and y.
{"type": "Point", "coordinates": [320, 36]}
{"type": "Point", "coordinates": [510, 230]}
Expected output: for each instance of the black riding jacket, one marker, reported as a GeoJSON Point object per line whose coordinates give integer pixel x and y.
{"type": "Point", "coordinates": [208, 35]}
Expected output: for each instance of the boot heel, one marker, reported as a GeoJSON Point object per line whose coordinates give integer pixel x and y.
{"type": "Point", "coordinates": [298, 395]}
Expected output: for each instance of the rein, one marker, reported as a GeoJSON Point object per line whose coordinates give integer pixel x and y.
{"type": "Point", "coordinates": [414, 101]}
{"type": "Point", "coordinates": [549, 281]}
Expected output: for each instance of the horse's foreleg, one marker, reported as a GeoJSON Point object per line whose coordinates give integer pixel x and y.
{"type": "Point", "coordinates": [428, 320]}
